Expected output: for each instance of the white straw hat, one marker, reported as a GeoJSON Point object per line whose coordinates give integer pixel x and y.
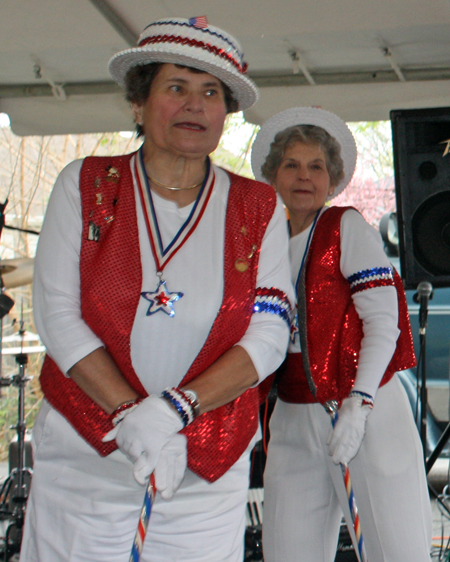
{"type": "Point", "coordinates": [306, 116]}
{"type": "Point", "coordinates": [190, 42]}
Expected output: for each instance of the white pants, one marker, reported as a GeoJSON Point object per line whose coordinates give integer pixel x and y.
{"type": "Point", "coordinates": [85, 508]}
{"type": "Point", "coordinates": [304, 495]}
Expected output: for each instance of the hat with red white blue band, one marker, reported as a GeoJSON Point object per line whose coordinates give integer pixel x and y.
{"type": "Point", "coordinates": [190, 42]}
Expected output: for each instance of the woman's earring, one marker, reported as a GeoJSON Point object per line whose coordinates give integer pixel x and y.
{"type": "Point", "coordinates": [138, 119]}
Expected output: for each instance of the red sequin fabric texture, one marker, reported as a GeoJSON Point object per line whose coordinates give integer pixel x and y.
{"type": "Point", "coordinates": [110, 272]}
{"type": "Point", "coordinates": [111, 280]}
{"type": "Point", "coordinates": [332, 326]}
{"type": "Point", "coordinates": [218, 438]}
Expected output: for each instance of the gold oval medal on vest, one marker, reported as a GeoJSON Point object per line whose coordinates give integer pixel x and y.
{"type": "Point", "coordinates": [241, 265]}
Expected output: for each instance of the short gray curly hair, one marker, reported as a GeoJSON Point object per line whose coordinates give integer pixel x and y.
{"type": "Point", "coordinates": [308, 134]}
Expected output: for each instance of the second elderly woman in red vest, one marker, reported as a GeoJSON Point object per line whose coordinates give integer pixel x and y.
{"type": "Point", "coordinates": [350, 336]}
{"type": "Point", "coordinates": [162, 293]}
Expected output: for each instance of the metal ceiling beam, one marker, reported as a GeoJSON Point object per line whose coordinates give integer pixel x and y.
{"type": "Point", "coordinates": [262, 80]}
{"type": "Point", "coordinates": [271, 79]}
{"type": "Point", "coordinates": [116, 22]}
{"type": "Point", "coordinates": [71, 89]}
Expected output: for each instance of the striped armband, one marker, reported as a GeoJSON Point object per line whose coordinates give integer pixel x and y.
{"type": "Point", "coordinates": [369, 278]}
{"type": "Point", "coordinates": [273, 301]}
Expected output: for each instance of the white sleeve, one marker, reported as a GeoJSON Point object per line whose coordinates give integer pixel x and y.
{"type": "Point", "coordinates": [267, 336]}
{"type": "Point", "coordinates": [56, 284]}
{"type": "Point", "coordinates": [362, 249]}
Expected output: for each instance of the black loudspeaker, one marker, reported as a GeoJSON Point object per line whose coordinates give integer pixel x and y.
{"type": "Point", "coordinates": [421, 142]}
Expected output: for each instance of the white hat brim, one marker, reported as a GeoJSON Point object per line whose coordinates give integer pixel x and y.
{"type": "Point", "coordinates": [244, 90]}
{"type": "Point", "coordinates": [306, 116]}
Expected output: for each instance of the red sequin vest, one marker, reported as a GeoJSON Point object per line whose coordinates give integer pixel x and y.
{"type": "Point", "coordinates": [111, 282]}
{"type": "Point", "coordinates": [334, 329]}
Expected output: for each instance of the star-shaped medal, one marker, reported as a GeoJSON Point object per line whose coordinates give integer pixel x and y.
{"type": "Point", "coordinates": [161, 299]}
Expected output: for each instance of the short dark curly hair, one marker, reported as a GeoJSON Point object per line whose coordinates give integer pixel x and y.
{"type": "Point", "coordinates": [139, 79]}
{"type": "Point", "coordinates": [308, 134]}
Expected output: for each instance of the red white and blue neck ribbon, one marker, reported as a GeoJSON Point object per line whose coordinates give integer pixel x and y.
{"type": "Point", "coordinates": [164, 255]}
{"type": "Point", "coordinates": [162, 298]}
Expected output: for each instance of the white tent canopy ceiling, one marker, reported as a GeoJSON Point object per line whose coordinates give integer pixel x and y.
{"type": "Point", "coordinates": [358, 59]}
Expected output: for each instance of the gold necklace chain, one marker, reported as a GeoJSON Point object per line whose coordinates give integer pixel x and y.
{"type": "Point", "coordinates": [174, 188]}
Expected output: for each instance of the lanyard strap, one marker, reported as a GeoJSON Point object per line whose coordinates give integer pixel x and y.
{"type": "Point", "coordinates": [301, 309]}
{"type": "Point", "coordinates": [308, 244]}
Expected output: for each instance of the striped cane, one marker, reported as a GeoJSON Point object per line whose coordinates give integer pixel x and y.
{"type": "Point", "coordinates": [144, 517]}
{"type": "Point", "coordinates": [332, 408]}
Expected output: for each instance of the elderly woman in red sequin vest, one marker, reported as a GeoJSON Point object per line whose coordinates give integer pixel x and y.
{"type": "Point", "coordinates": [162, 293]}
{"type": "Point", "coordinates": [350, 336]}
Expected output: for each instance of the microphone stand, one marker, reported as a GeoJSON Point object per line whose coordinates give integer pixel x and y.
{"type": "Point", "coordinates": [423, 295]}
{"type": "Point", "coordinates": [16, 486]}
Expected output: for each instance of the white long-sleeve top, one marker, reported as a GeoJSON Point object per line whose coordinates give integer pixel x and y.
{"type": "Point", "coordinates": [361, 249]}
{"type": "Point", "coordinates": [162, 347]}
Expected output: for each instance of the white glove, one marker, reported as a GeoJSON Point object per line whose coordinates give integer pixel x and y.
{"type": "Point", "coordinates": [345, 438]}
{"type": "Point", "coordinates": [171, 466]}
{"type": "Point", "coordinates": [143, 433]}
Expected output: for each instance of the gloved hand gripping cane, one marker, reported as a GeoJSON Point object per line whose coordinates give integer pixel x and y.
{"type": "Point", "coordinates": [165, 479]}
{"type": "Point", "coordinates": [147, 433]}
{"type": "Point", "coordinates": [332, 408]}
